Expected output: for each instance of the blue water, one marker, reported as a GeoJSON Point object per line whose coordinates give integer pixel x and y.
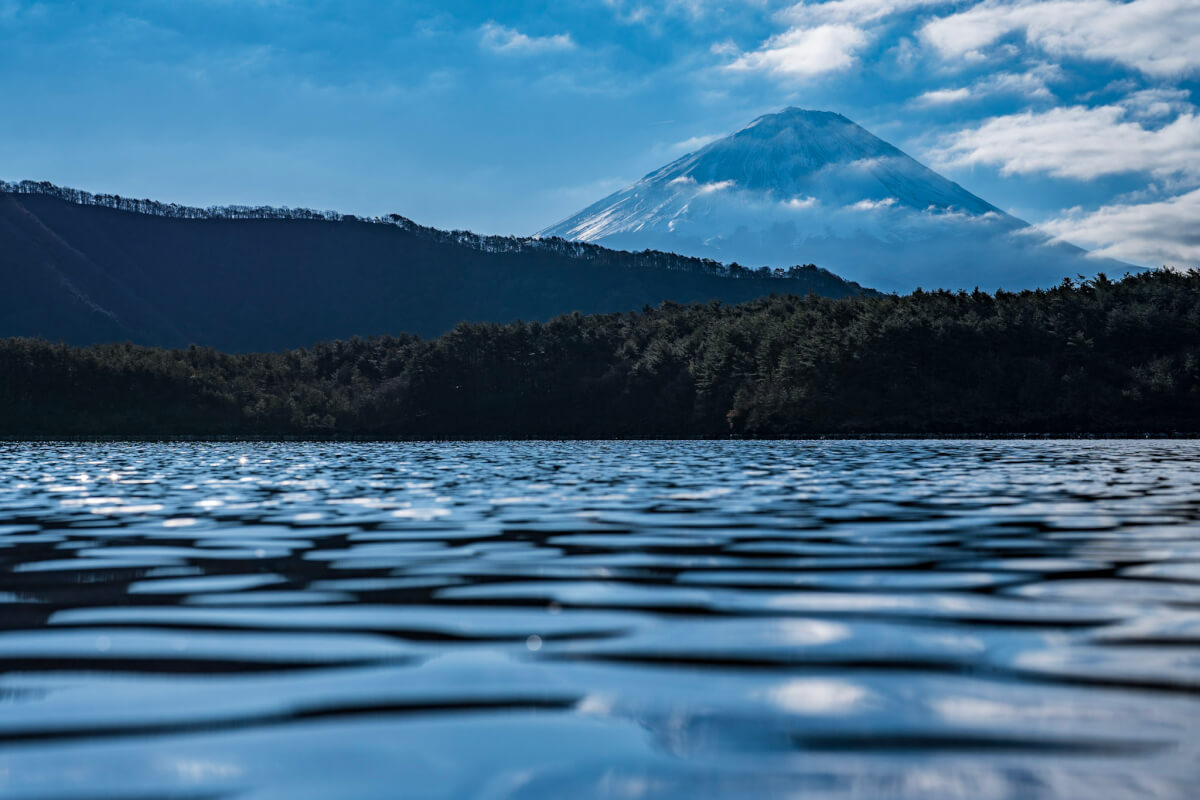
{"type": "Point", "coordinates": [616, 619]}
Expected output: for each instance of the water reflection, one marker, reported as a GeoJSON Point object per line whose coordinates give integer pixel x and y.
{"type": "Point", "coordinates": [510, 620]}
{"type": "Point", "coordinates": [817, 696]}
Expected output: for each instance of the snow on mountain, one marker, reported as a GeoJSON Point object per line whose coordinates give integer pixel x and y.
{"type": "Point", "coordinates": [813, 187]}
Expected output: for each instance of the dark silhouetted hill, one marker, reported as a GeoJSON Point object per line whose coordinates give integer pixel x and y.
{"type": "Point", "coordinates": [88, 269]}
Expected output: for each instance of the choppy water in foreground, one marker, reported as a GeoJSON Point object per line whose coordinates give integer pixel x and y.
{"type": "Point", "coordinates": [576, 620]}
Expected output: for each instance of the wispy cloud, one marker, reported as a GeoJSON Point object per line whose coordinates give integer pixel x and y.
{"type": "Point", "coordinates": [653, 12]}
{"type": "Point", "coordinates": [1033, 83]}
{"type": "Point", "coordinates": [855, 12]}
{"type": "Point", "coordinates": [694, 143]}
{"type": "Point", "coordinates": [1157, 37]}
{"type": "Point", "coordinates": [804, 52]}
{"type": "Point", "coordinates": [872, 205]}
{"type": "Point", "coordinates": [687, 182]}
{"type": "Point", "coordinates": [823, 37]}
{"type": "Point", "coordinates": [500, 39]}
{"type": "Point", "coordinates": [1077, 142]}
{"type": "Point", "coordinates": [1156, 103]}
{"type": "Point", "coordinates": [943, 97]}
{"type": "Point", "coordinates": [799, 202]}
{"type": "Point", "coordinates": [716, 186]}
{"type": "Point", "coordinates": [1158, 233]}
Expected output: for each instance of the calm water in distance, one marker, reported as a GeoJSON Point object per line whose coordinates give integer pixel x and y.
{"type": "Point", "coordinates": [818, 620]}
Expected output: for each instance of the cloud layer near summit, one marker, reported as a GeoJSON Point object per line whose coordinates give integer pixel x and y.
{"type": "Point", "coordinates": [1079, 115]}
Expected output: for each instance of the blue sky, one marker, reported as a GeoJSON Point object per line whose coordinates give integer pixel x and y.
{"type": "Point", "coordinates": [1079, 115]}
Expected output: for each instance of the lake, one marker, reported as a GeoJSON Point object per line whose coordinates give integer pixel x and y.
{"type": "Point", "coordinates": [824, 619]}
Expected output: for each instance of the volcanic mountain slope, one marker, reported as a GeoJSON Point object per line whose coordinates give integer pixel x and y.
{"type": "Point", "coordinates": [87, 269]}
{"type": "Point", "coordinates": [812, 186]}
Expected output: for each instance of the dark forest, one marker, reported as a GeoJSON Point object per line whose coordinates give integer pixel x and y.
{"type": "Point", "coordinates": [1094, 356]}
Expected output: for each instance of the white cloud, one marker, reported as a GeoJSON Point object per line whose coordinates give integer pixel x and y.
{"type": "Point", "coordinates": [629, 13]}
{"type": "Point", "coordinates": [688, 182]}
{"type": "Point", "coordinates": [716, 186]}
{"type": "Point", "coordinates": [1033, 83]}
{"type": "Point", "coordinates": [653, 13]}
{"type": "Point", "coordinates": [499, 39]}
{"type": "Point", "coordinates": [872, 205]}
{"type": "Point", "coordinates": [1156, 103]}
{"type": "Point", "coordinates": [1157, 37]}
{"type": "Point", "coordinates": [855, 12]}
{"type": "Point", "coordinates": [1077, 142]}
{"type": "Point", "coordinates": [803, 52]}
{"type": "Point", "coordinates": [942, 97]}
{"type": "Point", "coordinates": [822, 37]}
{"type": "Point", "coordinates": [1163, 232]}
{"type": "Point", "coordinates": [694, 143]}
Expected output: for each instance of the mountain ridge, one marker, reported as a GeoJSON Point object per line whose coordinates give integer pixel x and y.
{"type": "Point", "coordinates": [490, 243]}
{"type": "Point", "coordinates": [89, 269]}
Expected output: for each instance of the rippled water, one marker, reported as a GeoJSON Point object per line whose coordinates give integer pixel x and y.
{"type": "Point", "coordinates": [576, 620]}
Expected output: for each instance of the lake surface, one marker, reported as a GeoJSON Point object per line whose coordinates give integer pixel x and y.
{"type": "Point", "coordinates": [821, 620]}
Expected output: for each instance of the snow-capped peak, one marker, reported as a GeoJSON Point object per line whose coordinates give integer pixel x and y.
{"type": "Point", "coordinates": [802, 186]}
{"type": "Point", "coordinates": [796, 153]}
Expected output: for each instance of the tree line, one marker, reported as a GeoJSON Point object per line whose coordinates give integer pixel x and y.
{"type": "Point", "coordinates": [645, 259]}
{"type": "Point", "coordinates": [1098, 356]}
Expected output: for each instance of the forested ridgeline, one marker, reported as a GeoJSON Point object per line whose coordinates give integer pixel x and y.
{"type": "Point", "coordinates": [88, 269]}
{"type": "Point", "coordinates": [644, 259]}
{"type": "Point", "coordinates": [1102, 356]}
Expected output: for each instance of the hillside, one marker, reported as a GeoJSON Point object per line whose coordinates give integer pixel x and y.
{"type": "Point", "coordinates": [88, 269]}
{"type": "Point", "coordinates": [1103, 356]}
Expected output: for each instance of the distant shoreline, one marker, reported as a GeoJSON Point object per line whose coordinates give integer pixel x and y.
{"type": "Point", "coordinates": [363, 439]}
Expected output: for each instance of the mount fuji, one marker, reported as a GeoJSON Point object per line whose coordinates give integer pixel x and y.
{"type": "Point", "coordinates": [805, 186]}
